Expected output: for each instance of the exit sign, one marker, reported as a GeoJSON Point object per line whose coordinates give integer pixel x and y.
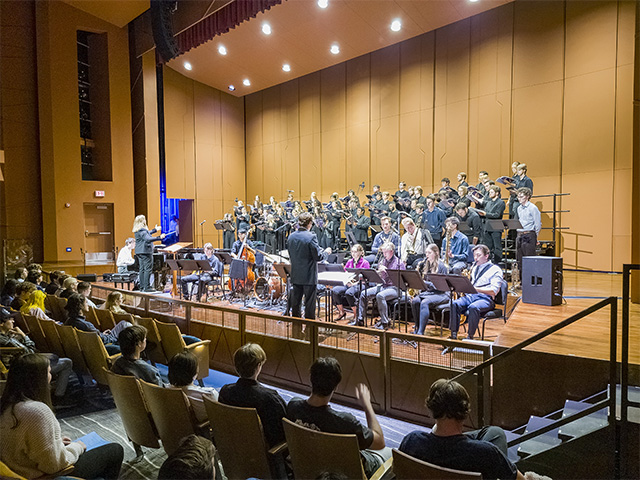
{"type": "Point", "coordinates": [98, 193]}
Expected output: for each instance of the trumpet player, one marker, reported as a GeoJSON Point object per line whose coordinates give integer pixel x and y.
{"type": "Point", "coordinates": [430, 297]}
{"type": "Point", "coordinates": [455, 247]}
{"type": "Point", "coordinates": [384, 292]}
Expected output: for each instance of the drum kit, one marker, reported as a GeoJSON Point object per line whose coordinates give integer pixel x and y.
{"type": "Point", "coordinates": [269, 286]}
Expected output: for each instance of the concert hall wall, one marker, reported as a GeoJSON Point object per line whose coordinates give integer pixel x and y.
{"type": "Point", "coordinates": [204, 141]}
{"type": "Point", "coordinates": [548, 84]}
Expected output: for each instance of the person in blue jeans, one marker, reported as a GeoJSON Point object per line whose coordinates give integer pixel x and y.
{"type": "Point", "coordinates": [487, 279]}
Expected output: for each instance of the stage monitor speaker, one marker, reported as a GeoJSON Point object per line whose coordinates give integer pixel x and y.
{"type": "Point", "coordinates": [87, 277]}
{"type": "Point", "coordinates": [542, 280]}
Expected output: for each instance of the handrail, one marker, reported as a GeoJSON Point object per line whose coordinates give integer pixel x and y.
{"type": "Point", "coordinates": [525, 343]}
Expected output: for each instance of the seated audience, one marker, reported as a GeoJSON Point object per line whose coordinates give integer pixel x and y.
{"type": "Point", "coordinates": [84, 289]}
{"type": "Point", "coordinates": [35, 305]}
{"type": "Point", "coordinates": [31, 442]}
{"type": "Point", "coordinates": [315, 413]}
{"type": "Point", "coordinates": [133, 341]}
{"type": "Point", "coordinates": [23, 292]}
{"type": "Point", "coordinates": [61, 368]}
{"type": "Point", "coordinates": [247, 392]}
{"type": "Point", "coordinates": [183, 369]}
{"type": "Point", "coordinates": [483, 451]}
{"type": "Point", "coordinates": [76, 306]}
{"type": "Point", "coordinates": [8, 292]}
{"type": "Point", "coordinates": [113, 303]}
{"type": "Point", "coordinates": [69, 287]}
{"type": "Point", "coordinates": [193, 460]}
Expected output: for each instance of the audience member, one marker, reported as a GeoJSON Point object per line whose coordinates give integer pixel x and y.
{"type": "Point", "coordinates": [35, 277]}
{"type": "Point", "coordinates": [192, 460]}
{"type": "Point", "coordinates": [61, 368]}
{"type": "Point", "coordinates": [113, 303]}
{"type": "Point", "coordinates": [35, 305]}
{"type": "Point", "coordinates": [183, 369]}
{"type": "Point", "coordinates": [76, 306]}
{"type": "Point", "coordinates": [54, 282]}
{"type": "Point", "coordinates": [23, 292]}
{"type": "Point", "coordinates": [8, 292]}
{"type": "Point", "coordinates": [69, 287]}
{"type": "Point", "coordinates": [84, 289]}
{"type": "Point", "coordinates": [249, 393]}
{"type": "Point", "coordinates": [483, 451]}
{"type": "Point", "coordinates": [31, 442]}
{"type": "Point", "coordinates": [133, 341]}
{"type": "Point", "coordinates": [20, 274]}
{"type": "Point", "coordinates": [315, 413]}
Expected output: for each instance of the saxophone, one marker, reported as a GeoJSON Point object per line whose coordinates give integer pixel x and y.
{"type": "Point", "coordinates": [448, 249]}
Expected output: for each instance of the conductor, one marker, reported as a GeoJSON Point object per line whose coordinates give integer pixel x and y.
{"type": "Point", "coordinates": [304, 253]}
{"type": "Point", "coordinates": [144, 250]}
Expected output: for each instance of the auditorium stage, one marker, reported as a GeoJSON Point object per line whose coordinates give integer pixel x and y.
{"type": "Point", "coordinates": [588, 338]}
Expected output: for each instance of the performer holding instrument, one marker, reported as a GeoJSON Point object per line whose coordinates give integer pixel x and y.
{"type": "Point", "coordinates": [243, 250]}
{"type": "Point", "coordinates": [347, 294]}
{"type": "Point", "coordinates": [386, 235]}
{"type": "Point", "coordinates": [414, 243]}
{"type": "Point", "coordinates": [430, 297]}
{"type": "Point", "coordinates": [455, 246]}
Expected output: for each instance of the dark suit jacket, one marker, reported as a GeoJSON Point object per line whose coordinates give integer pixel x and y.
{"type": "Point", "coordinates": [304, 253]}
{"type": "Point", "coordinates": [144, 240]}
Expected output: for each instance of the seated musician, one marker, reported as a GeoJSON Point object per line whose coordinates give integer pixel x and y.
{"type": "Point", "coordinates": [125, 258]}
{"type": "Point", "coordinates": [347, 294]}
{"type": "Point", "coordinates": [386, 235]}
{"type": "Point", "coordinates": [430, 297]}
{"type": "Point", "coordinates": [385, 292]}
{"type": "Point", "coordinates": [414, 243]}
{"type": "Point", "coordinates": [458, 251]}
{"type": "Point", "coordinates": [216, 271]}
{"type": "Point", "coordinates": [487, 280]}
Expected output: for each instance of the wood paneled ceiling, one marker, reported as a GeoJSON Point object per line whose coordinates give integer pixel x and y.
{"type": "Point", "coordinates": [302, 34]}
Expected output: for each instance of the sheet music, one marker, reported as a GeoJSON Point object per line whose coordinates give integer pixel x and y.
{"type": "Point", "coordinates": [334, 278]}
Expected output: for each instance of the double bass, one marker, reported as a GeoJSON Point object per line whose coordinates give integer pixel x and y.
{"type": "Point", "coordinates": [246, 253]}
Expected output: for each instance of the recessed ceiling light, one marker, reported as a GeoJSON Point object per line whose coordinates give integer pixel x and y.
{"type": "Point", "coordinates": [187, 66]}
{"type": "Point", "coordinates": [286, 67]}
{"type": "Point", "coordinates": [473, 1]}
{"type": "Point", "coordinates": [222, 50]}
{"type": "Point", "coordinates": [323, 3]}
{"type": "Point", "coordinates": [266, 29]}
{"type": "Point", "coordinates": [246, 82]}
{"type": "Point", "coordinates": [396, 25]}
{"type": "Point", "coordinates": [231, 88]}
{"type": "Point", "coordinates": [335, 49]}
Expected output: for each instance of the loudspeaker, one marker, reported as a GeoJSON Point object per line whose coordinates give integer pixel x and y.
{"type": "Point", "coordinates": [542, 280]}
{"type": "Point", "coordinates": [162, 27]}
{"type": "Point", "coordinates": [87, 277]}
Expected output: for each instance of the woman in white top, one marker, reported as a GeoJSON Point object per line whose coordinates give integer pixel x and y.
{"type": "Point", "coordinates": [31, 443]}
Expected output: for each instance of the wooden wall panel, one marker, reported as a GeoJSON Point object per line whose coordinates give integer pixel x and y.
{"type": "Point", "coordinates": [546, 83]}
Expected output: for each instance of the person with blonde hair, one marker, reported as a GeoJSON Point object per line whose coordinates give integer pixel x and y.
{"type": "Point", "coordinates": [35, 305]}
{"type": "Point", "coordinates": [125, 257]}
{"type": "Point", "coordinates": [144, 250]}
{"type": "Point", "coordinates": [114, 300]}
{"type": "Point", "coordinates": [69, 287]}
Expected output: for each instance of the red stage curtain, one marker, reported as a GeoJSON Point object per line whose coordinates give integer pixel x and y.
{"type": "Point", "coordinates": [222, 21]}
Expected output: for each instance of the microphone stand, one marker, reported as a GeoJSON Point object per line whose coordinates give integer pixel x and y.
{"type": "Point", "coordinates": [202, 232]}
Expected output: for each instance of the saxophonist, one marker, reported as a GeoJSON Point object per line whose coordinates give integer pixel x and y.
{"type": "Point", "coordinates": [430, 297]}
{"type": "Point", "coordinates": [413, 244]}
{"type": "Point", "coordinates": [455, 246]}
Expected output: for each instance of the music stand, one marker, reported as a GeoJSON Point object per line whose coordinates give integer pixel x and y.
{"type": "Point", "coordinates": [284, 271]}
{"type": "Point", "coordinates": [238, 271]}
{"type": "Point", "coordinates": [189, 266]}
{"type": "Point", "coordinates": [226, 259]}
{"type": "Point", "coordinates": [173, 265]}
{"type": "Point", "coordinates": [512, 224]}
{"type": "Point", "coordinates": [219, 227]}
{"type": "Point", "coordinates": [452, 284]}
{"type": "Point", "coordinates": [401, 287]}
{"type": "Point", "coordinates": [205, 267]}
{"type": "Point", "coordinates": [371, 276]}
{"type": "Point", "coordinates": [351, 238]}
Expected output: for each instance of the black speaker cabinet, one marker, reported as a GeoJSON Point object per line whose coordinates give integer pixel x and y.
{"type": "Point", "coordinates": [542, 280]}
{"type": "Point", "coordinates": [87, 277]}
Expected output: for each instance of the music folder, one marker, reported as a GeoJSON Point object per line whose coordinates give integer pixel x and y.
{"type": "Point", "coordinates": [369, 274]}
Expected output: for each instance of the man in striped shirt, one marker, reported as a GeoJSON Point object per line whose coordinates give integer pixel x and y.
{"type": "Point", "coordinates": [529, 217]}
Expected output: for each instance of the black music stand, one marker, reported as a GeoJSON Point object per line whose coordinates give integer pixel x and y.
{"type": "Point", "coordinates": [189, 266]}
{"type": "Point", "coordinates": [351, 238]}
{"type": "Point", "coordinates": [219, 227]}
{"type": "Point", "coordinates": [371, 276]}
{"type": "Point", "coordinates": [238, 271]}
{"type": "Point", "coordinates": [405, 280]}
{"type": "Point", "coordinates": [173, 265]}
{"type": "Point", "coordinates": [226, 259]}
{"type": "Point", "coordinates": [452, 284]}
{"type": "Point", "coordinates": [512, 224]}
{"type": "Point", "coordinates": [284, 272]}
{"type": "Point", "coordinates": [205, 267]}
